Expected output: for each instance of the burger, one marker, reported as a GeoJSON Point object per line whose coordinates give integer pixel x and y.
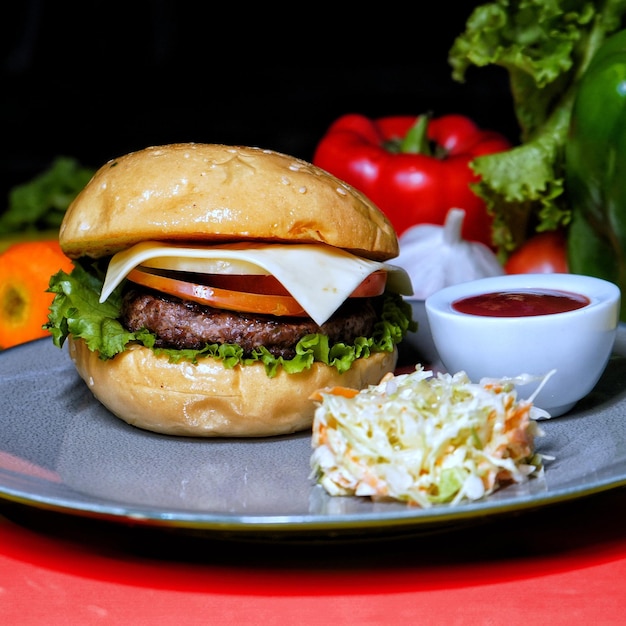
{"type": "Point", "coordinates": [215, 288]}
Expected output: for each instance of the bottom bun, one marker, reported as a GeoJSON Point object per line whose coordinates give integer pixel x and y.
{"type": "Point", "coordinates": [208, 400]}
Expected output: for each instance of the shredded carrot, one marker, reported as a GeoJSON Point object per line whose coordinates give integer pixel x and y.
{"type": "Point", "coordinates": [346, 392]}
{"type": "Point", "coordinates": [25, 270]}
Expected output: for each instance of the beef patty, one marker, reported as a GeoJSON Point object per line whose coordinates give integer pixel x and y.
{"type": "Point", "coordinates": [182, 324]}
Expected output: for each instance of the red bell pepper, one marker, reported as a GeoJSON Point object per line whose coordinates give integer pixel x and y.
{"type": "Point", "coordinates": [414, 169]}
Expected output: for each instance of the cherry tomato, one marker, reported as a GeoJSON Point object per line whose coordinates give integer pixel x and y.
{"type": "Point", "coordinates": [543, 253]}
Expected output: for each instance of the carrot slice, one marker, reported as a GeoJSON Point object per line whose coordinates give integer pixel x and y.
{"type": "Point", "coordinates": [25, 270]}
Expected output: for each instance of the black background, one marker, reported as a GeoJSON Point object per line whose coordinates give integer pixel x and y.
{"type": "Point", "coordinates": [95, 80]}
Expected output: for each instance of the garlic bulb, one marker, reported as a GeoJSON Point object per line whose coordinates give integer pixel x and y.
{"type": "Point", "coordinates": [436, 256]}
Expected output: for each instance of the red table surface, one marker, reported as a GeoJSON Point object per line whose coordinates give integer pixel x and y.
{"type": "Point", "coordinates": [559, 564]}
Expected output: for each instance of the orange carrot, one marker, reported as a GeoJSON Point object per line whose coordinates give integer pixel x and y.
{"type": "Point", "coordinates": [346, 392]}
{"type": "Point", "coordinates": [25, 269]}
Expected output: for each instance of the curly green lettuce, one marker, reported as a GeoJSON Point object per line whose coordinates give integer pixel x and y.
{"type": "Point", "coordinates": [40, 204]}
{"type": "Point", "coordinates": [77, 311]}
{"type": "Point", "coordinates": [544, 46]}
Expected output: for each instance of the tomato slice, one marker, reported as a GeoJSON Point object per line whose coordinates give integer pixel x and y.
{"type": "Point", "coordinates": [270, 304]}
{"type": "Point", "coordinates": [240, 292]}
{"type": "Point", "coordinates": [372, 285]}
{"type": "Point", "coordinates": [252, 283]}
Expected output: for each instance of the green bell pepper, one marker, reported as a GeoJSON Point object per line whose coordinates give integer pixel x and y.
{"type": "Point", "coordinates": [595, 167]}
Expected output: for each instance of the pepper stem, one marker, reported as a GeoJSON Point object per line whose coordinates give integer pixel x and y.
{"type": "Point", "coordinates": [416, 139]}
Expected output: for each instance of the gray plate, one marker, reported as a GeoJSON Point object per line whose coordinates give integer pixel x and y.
{"type": "Point", "coordinates": [61, 451]}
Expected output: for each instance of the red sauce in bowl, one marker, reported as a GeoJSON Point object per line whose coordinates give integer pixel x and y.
{"type": "Point", "coordinates": [521, 303]}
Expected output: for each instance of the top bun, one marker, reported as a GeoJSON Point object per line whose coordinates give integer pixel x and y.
{"type": "Point", "coordinates": [191, 192]}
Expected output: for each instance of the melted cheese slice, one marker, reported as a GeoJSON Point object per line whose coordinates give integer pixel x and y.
{"type": "Point", "coordinates": [319, 277]}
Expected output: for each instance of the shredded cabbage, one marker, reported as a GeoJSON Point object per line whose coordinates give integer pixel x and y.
{"type": "Point", "coordinates": [424, 439]}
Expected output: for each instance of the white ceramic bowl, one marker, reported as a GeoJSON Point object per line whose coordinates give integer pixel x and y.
{"type": "Point", "coordinates": [577, 344]}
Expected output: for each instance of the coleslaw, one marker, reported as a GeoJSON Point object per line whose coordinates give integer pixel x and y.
{"type": "Point", "coordinates": [424, 439]}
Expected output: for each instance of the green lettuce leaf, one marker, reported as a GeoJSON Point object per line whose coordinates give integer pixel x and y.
{"type": "Point", "coordinates": [40, 203]}
{"type": "Point", "coordinates": [76, 311]}
{"type": "Point", "coordinates": [544, 47]}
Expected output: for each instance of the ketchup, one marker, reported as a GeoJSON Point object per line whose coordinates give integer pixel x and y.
{"type": "Point", "coordinates": [521, 303]}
